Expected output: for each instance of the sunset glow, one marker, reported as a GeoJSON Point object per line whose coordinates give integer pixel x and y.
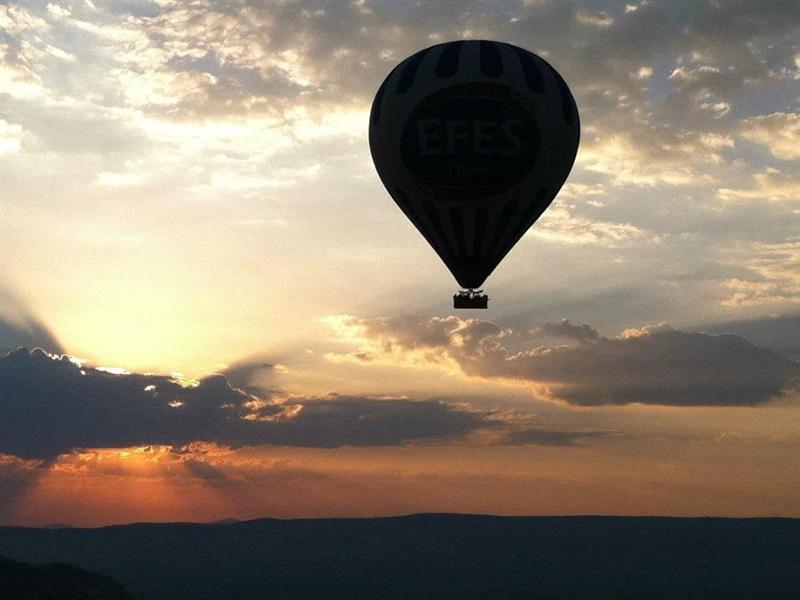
{"type": "Point", "coordinates": [235, 320]}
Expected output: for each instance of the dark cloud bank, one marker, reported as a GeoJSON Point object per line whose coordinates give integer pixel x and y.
{"type": "Point", "coordinates": [653, 365]}
{"type": "Point", "coordinates": [49, 405]}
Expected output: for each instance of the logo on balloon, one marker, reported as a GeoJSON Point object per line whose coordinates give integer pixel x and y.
{"type": "Point", "coordinates": [470, 141]}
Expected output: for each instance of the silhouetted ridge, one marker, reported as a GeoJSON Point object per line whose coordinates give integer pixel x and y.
{"type": "Point", "coordinates": [434, 556]}
{"type": "Point", "coordinates": [55, 581]}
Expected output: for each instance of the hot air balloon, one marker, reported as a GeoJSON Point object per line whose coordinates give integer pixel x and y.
{"type": "Point", "coordinates": [473, 140]}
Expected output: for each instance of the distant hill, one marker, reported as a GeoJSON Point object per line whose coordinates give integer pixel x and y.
{"type": "Point", "coordinates": [225, 522]}
{"type": "Point", "coordinates": [434, 556]}
{"type": "Point", "coordinates": [55, 582]}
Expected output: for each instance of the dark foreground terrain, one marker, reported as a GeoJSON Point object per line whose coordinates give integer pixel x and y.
{"type": "Point", "coordinates": [429, 556]}
{"type": "Point", "coordinates": [56, 582]}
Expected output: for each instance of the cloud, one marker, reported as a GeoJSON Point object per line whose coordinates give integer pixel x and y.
{"type": "Point", "coordinates": [15, 19]}
{"type": "Point", "coordinates": [16, 476]}
{"type": "Point", "coordinates": [16, 79]}
{"type": "Point", "coordinates": [10, 137]}
{"type": "Point", "coordinates": [220, 101]}
{"type": "Point", "coordinates": [771, 275]}
{"type": "Point", "coordinates": [559, 225]}
{"type": "Point", "coordinates": [650, 365]}
{"type": "Point", "coordinates": [535, 436]}
{"type": "Point", "coordinates": [638, 155]}
{"type": "Point", "coordinates": [233, 58]}
{"type": "Point", "coordinates": [56, 11]}
{"type": "Point", "coordinates": [595, 19]}
{"type": "Point", "coordinates": [757, 293]}
{"type": "Point", "coordinates": [51, 405]}
{"type": "Point", "coordinates": [20, 327]}
{"type": "Point", "coordinates": [780, 132]}
{"type": "Point", "coordinates": [249, 375]}
{"type": "Point", "coordinates": [781, 334]}
{"type": "Point", "coordinates": [566, 329]}
{"type": "Point", "coordinates": [770, 185]}
{"type": "Point", "coordinates": [219, 95]}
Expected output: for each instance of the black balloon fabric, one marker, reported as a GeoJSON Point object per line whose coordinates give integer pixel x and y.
{"type": "Point", "coordinates": [473, 140]}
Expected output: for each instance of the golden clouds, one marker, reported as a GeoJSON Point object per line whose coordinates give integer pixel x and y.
{"type": "Point", "coordinates": [774, 279]}
{"type": "Point", "coordinates": [400, 340]}
{"type": "Point", "coordinates": [559, 225]}
{"type": "Point", "coordinates": [771, 185]}
{"type": "Point", "coordinates": [780, 132]}
{"type": "Point", "coordinates": [624, 161]}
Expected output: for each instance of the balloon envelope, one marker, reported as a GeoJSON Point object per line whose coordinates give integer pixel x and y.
{"type": "Point", "coordinates": [473, 140]}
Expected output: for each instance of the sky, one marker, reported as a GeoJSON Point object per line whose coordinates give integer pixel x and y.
{"type": "Point", "coordinates": [225, 315]}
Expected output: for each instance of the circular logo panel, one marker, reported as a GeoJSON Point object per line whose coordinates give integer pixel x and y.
{"type": "Point", "coordinates": [468, 142]}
